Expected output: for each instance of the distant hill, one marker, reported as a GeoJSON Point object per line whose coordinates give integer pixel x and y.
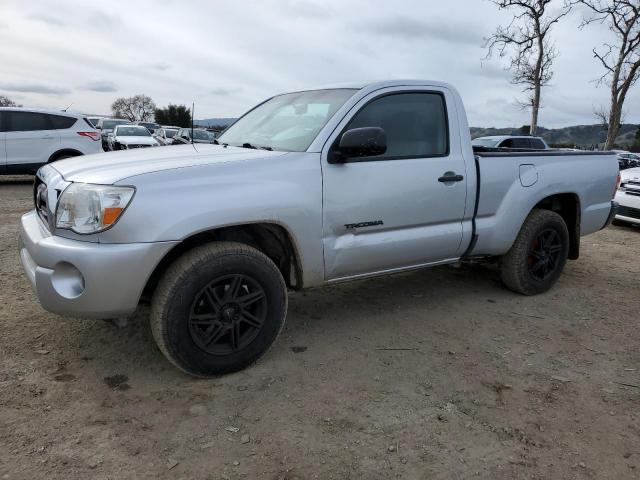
{"type": "Point", "coordinates": [579, 135]}
{"type": "Point", "coordinates": [210, 122]}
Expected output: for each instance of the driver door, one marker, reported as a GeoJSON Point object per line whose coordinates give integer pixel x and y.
{"type": "Point", "coordinates": [397, 210]}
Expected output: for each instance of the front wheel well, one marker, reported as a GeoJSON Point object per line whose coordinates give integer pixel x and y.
{"type": "Point", "coordinates": [567, 205]}
{"type": "Point", "coordinates": [271, 239]}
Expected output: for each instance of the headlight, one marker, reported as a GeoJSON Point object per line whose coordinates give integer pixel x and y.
{"type": "Point", "coordinates": [87, 208]}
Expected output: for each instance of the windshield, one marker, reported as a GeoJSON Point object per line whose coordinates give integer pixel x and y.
{"type": "Point", "coordinates": [132, 131]}
{"type": "Point", "coordinates": [152, 126]}
{"type": "Point", "coordinates": [287, 122]}
{"type": "Point", "coordinates": [169, 133]}
{"type": "Point", "coordinates": [112, 123]}
{"type": "Point", "coordinates": [485, 142]}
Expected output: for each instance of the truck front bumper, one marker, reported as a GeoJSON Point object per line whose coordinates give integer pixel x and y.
{"type": "Point", "coordinates": [84, 279]}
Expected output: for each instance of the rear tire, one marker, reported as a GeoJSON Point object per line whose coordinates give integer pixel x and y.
{"type": "Point", "coordinates": [537, 257]}
{"type": "Point", "coordinates": [218, 308]}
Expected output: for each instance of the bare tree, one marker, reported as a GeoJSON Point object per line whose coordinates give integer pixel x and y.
{"type": "Point", "coordinates": [526, 41]}
{"type": "Point", "coordinates": [7, 102]}
{"type": "Point", "coordinates": [603, 117]}
{"type": "Point", "coordinates": [136, 108]}
{"type": "Point", "coordinates": [621, 59]}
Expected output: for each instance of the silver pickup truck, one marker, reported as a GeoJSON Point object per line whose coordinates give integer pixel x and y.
{"type": "Point", "coordinates": [306, 189]}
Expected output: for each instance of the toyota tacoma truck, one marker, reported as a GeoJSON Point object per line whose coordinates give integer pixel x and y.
{"type": "Point", "coordinates": [306, 189]}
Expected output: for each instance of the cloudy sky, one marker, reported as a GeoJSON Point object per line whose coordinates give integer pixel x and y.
{"type": "Point", "coordinates": [227, 55]}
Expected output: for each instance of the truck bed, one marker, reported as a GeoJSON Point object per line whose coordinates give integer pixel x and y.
{"type": "Point", "coordinates": [512, 182]}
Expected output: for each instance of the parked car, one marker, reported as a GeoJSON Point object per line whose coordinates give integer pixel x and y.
{"type": "Point", "coordinates": [510, 141]}
{"type": "Point", "coordinates": [628, 160]}
{"type": "Point", "coordinates": [199, 136]}
{"type": "Point", "coordinates": [309, 188]}
{"type": "Point", "coordinates": [106, 126]}
{"type": "Point", "coordinates": [94, 121]}
{"type": "Point", "coordinates": [628, 197]}
{"type": "Point", "coordinates": [151, 126]}
{"type": "Point", "coordinates": [30, 138]}
{"type": "Point", "coordinates": [125, 137]}
{"type": "Point", "coordinates": [164, 135]}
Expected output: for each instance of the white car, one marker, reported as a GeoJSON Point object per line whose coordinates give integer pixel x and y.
{"type": "Point", "coordinates": [30, 138]}
{"type": "Point", "coordinates": [125, 137]}
{"type": "Point", "coordinates": [511, 141]}
{"type": "Point", "coordinates": [164, 135]}
{"type": "Point", "coordinates": [628, 197]}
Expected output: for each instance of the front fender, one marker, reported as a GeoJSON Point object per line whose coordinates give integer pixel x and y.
{"type": "Point", "coordinates": [173, 205]}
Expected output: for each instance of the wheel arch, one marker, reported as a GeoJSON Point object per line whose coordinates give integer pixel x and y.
{"type": "Point", "coordinates": [272, 239]}
{"type": "Point", "coordinates": [65, 151]}
{"type": "Point", "coordinates": [568, 206]}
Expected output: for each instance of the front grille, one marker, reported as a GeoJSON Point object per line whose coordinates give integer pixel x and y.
{"type": "Point", "coordinates": [138, 146]}
{"type": "Point", "coordinates": [632, 188]}
{"type": "Point", "coordinates": [628, 212]}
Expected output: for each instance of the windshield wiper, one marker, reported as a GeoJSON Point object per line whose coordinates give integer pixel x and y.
{"type": "Point", "coordinates": [255, 147]}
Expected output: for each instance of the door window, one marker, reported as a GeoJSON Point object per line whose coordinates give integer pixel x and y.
{"type": "Point", "coordinates": [27, 121]}
{"type": "Point", "coordinates": [415, 124]}
{"type": "Point", "coordinates": [60, 122]}
{"type": "Point", "coordinates": [537, 144]}
{"type": "Point", "coordinates": [516, 143]}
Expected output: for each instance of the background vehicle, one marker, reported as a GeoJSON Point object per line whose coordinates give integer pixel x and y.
{"type": "Point", "coordinates": [94, 120]}
{"type": "Point", "coordinates": [30, 138]}
{"type": "Point", "coordinates": [164, 135]}
{"type": "Point", "coordinates": [307, 189]}
{"type": "Point", "coordinates": [628, 160]}
{"type": "Point", "coordinates": [628, 197]}
{"type": "Point", "coordinates": [151, 126]}
{"type": "Point", "coordinates": [125, 137]}
{"type": "Point", "coordinates": [199, 136]}
{"type": "Point", "coordinates": [106, 126]}
{"type": "Point", "coordinates": [504, 141]}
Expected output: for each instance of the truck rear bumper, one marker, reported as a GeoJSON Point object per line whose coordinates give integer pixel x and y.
{"type": "Point", "coordinates": [85, 279]}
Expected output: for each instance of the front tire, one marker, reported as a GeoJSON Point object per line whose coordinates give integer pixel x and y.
{"type": "Point", "coordinates": [537, 257]}
{"type": "Point", "coordinates": [218, 308]}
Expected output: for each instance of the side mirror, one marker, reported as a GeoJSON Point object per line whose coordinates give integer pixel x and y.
{"type": "Point", "coordinates": [360, 142]}
{"type": "Point", "coordinates": [97, 127]}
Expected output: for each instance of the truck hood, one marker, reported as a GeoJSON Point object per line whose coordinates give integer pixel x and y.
{"type": "Point", "coordinates": [111, 167]}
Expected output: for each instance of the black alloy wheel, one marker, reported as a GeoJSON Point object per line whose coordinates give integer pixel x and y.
{"type": "Point", "coordinates": [544, 255]}
{"type": "Point", "coordinates": [228, 314]}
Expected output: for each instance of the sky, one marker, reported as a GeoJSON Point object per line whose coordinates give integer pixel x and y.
{"type": "Point", "coordinates": [226, 56]}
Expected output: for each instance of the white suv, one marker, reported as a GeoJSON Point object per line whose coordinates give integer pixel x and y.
{"type": "Point", "coordinates": [30, 138]}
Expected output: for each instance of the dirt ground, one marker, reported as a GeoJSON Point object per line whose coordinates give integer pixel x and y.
{"type": "Point", "coordinates": [435, 374]}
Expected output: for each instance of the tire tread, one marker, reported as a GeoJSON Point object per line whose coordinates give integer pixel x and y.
{"type": "Point", "coordinates": [512, 267]}
{"type": "Point", "coordinates": [176, 273]}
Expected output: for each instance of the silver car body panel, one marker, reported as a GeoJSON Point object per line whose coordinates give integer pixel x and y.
{"type": "Point", "coordinates": [505, 202]}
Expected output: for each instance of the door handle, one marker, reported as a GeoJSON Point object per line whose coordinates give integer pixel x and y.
{"type": "Point", "coordinates": [450, 177]}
